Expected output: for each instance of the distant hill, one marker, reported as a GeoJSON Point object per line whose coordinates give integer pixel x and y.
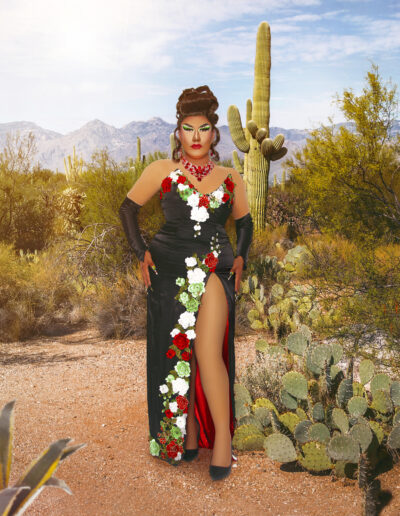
{"type": "Point", "coordinates": [121, 142]}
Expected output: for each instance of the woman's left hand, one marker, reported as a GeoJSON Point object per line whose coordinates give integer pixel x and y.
{"type": "Point", "coordinates": [237, 268]}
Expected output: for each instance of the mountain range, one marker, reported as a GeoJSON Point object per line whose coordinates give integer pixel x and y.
{"type": "Point", "coordinates": [53, 146]}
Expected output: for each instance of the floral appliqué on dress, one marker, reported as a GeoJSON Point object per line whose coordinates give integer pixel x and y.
{"type": "Point", "coordinates": [170, 440]}
{"type": "Point", "coordinates": [200, 203]}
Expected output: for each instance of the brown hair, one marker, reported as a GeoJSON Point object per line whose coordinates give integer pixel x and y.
{"type": "Point", "coordinates": [196, 101]}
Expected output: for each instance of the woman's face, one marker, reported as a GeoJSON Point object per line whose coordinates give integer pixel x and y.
{"type": "Point", "coordinates": [196, 135]}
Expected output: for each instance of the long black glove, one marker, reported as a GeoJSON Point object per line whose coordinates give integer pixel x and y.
{"type": "Point", "coordinates": [244, 233]}
{"type": "Point", "coordinates": [128, 213]}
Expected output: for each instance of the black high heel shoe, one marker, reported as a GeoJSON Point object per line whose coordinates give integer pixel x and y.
{"type": "Point", "coordinates": [191, 453]}
{"type": "Point", "coordinates": [220, 472]}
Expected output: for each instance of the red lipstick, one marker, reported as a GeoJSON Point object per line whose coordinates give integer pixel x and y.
{"type": "Point", "coordinates": [196, 146]}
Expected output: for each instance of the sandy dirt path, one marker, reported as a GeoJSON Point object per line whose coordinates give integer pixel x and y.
{"type": "Point", "coordinates": [94, 391]}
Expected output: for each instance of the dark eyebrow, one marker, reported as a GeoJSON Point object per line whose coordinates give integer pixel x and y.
{"type": "Point", "coordinates": [184, 123]}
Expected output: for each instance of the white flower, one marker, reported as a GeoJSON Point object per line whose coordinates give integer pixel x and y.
{"type": "Point", "coordinates": [187, 319]}
{"type": "Point", "coordinates": [191, 261]}
{"type": "Point", "coordinates": [182, 186]}
{"type": "Point", "coordinates": [163, 389]}
{"type": "Point", "coordinates": [196, 275]}
{"type": "Point", "coordinates": [199, 214]}
{"type": "Point", "coordinates": [174, 175]}
{"type": "Point", "coordinates": [193, 200]}
{"type": "Point", "coordinates": [180, 386]}
{"type": "Point", "coordinates": [173, 406]}
{"type": "Point", "coordinates": [197, 226]}
{"type": "Point", "coordinates": [181, 423]}
{"type": "Point", "coordinates": [218, 194]}
{"type": "Point", "coordinates": [190, 334]}
{"type": "Point", "coordinates": [178, 455]}
{"type": "Point", "coordinates": [174, 332]}
{"type": "Point", "coordinates": [215, 253]}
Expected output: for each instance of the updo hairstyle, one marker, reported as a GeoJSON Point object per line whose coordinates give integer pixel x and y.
{"type": "Point", "coordinates": [196, 101]}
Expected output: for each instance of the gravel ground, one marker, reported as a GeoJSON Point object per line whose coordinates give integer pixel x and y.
{"type": "Point", "coordinates": [94, 391]}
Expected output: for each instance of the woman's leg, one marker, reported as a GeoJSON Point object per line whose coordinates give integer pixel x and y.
{"type": "Point", "coordinates": [210, 330]}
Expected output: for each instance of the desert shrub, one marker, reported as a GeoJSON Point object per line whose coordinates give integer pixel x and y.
{"type": "Point", "coordinates": [263, 378]}
{"type": "Point", "coordinates": [119, 307]}
{"type": "Point", "coordinates": [36, 289]}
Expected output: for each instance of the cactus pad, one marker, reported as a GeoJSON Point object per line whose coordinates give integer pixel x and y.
{"type": "Point", "coordinates": [264, 402]}
{"type": "Point", "coordinates": [261, 345]}
{"type": "Point", "coordinates": [290, 420]}
{"type": "Point", "coordinates": [250, 420]}
{"type": "Point", "coordinates": [321, 354]}
{"type": "Point", "coordinates": [366, 370]}
{"type": "Point", "coordinates": [394, 438]}
{"type": "Point", "coordinates": [378, 430]}
{"type": "Point", "coordinates": [288, 400]}
{"type": "Point", "coordinates": [363, 434]}
{"type": "Point", "coordinates": [319, 432]}
{"type": "Point", "coordinates": [340, 420]}
{"type": "Point", "coordinates": [315, 457]}
{"type": "Point", "coordinates": [301, 431]}
{"type": "Point", "coordinates": [382, 401]}
{"type": "Point", "coordinates": [395, 393]}
{"type": "Point", "coordinates": [318, 412]}
{"type": "Point", "coordinates": [380, 381]}
{"type": "Point", "coordinates": [280, 448]}
{"type": "Point", "coordinates": [357, 406]}
{"type": "Point", "coordinates": [344, 447]}
{"type": "Point", "coordinates": [337, 352]}
{"type": "Point", "coordinates": [297, 343]}
{"type": "Point", "coordinates": [345, 392]}
{"type": "Point", "coordinates": [296, 384]}
{"type": "Point", "coordinates": [263, 415]}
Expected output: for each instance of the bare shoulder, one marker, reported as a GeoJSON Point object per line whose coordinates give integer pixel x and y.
{"type": "Point", "coordinates": [236, 176]}
{"type": "Point", "coordinates": [156, 168]}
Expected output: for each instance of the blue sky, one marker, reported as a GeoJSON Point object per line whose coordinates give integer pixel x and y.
{"type": "Point", "coordinates": [65, 63]}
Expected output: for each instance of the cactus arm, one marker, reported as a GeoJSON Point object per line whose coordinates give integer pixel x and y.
{"type": "Point", "coordinates": [236, 129]}
{"type": "Point", "coordinates": [236, 162]}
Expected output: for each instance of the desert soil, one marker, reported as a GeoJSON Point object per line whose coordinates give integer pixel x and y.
{"type": "Point", "coordinates": [80, 386]}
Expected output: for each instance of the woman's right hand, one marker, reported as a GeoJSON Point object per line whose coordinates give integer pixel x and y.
{"type": "Point", "coordinates": [144, 267]}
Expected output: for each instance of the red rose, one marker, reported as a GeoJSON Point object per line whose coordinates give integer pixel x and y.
{"type": "Point", "coordinates": [229, 184]}
{"type": "Point", "coordinates": [160, 194]}
{"type": "Point", "coordinates": [190, 185]}
{"type": "Point", "coordinates": [181, 179]}
{"type": "Point", "coordinates": [211, 261]}
{"type": "Point", "coordinates": [181, 341]}
{"type": "Point", "coordinates": [169, 413]}
{"type": "Point", "coordinates": [182, 402]}
{"type": "Point", "coordinates": [172, 449]}
{"type": "Point", "coordinates": [166, 184]}
{"type": "Point", "coordinates": [170, 353]}
{"type": "Point", "coordinates": [185, 356]}
{"type": "Point", "coordinates": [225, 197]}
{"type": "Point", "coordinates": [163, 440]}
{"type": "Point", "coordinates": [204, 201]}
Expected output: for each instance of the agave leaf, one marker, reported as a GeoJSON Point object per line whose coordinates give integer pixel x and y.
{"type": "Point", "coordinates": [39, 471]}
{"type": "Point", "coordinates": [6, 436]}
{"type": "Point", "coordinates": [58, 482]}
{"type": "Point", "coordinates": [7, 497]}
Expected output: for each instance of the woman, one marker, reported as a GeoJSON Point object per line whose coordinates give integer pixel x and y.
{"type": "Point", "coordinates": [191, 277]}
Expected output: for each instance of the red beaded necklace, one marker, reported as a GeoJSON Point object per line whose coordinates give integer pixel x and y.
{"type": "Point", "coordinates": [199, 171]}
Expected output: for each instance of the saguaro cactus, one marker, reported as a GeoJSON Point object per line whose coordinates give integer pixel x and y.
{"type": "Point", "coordinates": [254, 139]}
{"type": "Point", "coordinates": [74, 167]}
